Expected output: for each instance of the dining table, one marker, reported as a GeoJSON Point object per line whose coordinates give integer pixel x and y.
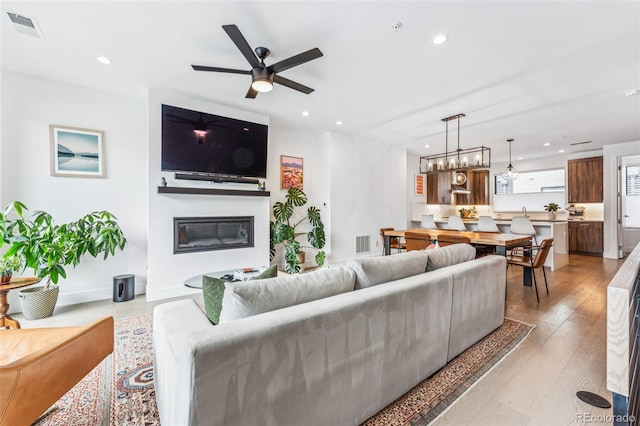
{"type": "Point", "coordinates": [502, 242]}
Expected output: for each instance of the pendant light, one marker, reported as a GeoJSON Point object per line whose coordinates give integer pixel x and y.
{"type": "Point", "coordinates": [510, 173]}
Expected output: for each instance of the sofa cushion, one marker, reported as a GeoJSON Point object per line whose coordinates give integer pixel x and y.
{"type": "Point", "coordinates": [450, 255]}
{"type": "Point", "coordinates": [246, 298]}
{"type": "Point", "coordinates": [213, 290]}
{"type": "Point", "coordinates": [372, 271]}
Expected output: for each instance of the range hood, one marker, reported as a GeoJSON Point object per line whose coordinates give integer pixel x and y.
{"type": "Point", "coordinates": [458, 189]}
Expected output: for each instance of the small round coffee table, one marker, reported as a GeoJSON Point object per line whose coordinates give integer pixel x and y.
{"type": "Point", "coordinates": [5, 319]}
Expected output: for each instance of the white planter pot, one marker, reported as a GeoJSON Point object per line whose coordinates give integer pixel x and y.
{"type": "Point", "coordinates": [39, 303]}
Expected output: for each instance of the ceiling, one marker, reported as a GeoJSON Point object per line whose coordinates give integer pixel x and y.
{"type": "Point", "coordinates": [538, 72]}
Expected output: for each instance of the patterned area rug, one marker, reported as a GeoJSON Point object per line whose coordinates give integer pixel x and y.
{"type": "Point", "coordinates": [124, 381]}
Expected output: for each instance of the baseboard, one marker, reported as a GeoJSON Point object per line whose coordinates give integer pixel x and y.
{"type": "Point", "coordinates": [170, 292]}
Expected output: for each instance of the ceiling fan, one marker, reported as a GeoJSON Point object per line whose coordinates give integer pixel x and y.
{"type": "Point", "coordinates": [262, 76]}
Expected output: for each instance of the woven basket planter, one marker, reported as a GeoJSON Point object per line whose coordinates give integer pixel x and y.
{"type": "Point", "coordinates": [38, 303]}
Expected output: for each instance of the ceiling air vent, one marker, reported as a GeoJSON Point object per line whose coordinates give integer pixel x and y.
{"type": "Point", "coordinates": [579, 143]}
{"type": "Point", "coordinates": [26, 25]}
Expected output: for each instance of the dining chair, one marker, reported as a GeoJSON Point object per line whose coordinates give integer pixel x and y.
{"type": "Point", "coordinates": [394, 242]}
{"type": "Point", "coordinates": [428, 222]}
{"type": "Point", "coordinates": [487, 224]}
{"type": "Point", "coordinates": [455, 222]}
{"type": "Point", "coordinates": [534, 261]}
{"type": "Point", "coordinates": [447, 239]}
{"type": "Point", "coordinates": [417, 240]}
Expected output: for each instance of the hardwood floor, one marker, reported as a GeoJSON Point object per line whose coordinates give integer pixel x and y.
{"type": "Point", "coordinates": [536, 383]}
{"type": "Point", "coordinates": [566, 352]}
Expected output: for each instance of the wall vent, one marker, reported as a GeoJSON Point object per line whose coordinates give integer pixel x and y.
{"type": "Point", "coordinates": [26, 25]}
{"type": "Point", "coordinates": [363, 244]}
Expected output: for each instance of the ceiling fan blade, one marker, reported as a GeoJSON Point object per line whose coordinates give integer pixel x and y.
{"type": "Point", "coordinates": [293, 61]}
{"type": "Point", "coordinates": [292, 84]}
{"type": "Point", "coordinates": [251, 93]}
{"type": "Point", "coordinates": [217, 69]}
{"type": "Point", "coordinates": [241, 43]}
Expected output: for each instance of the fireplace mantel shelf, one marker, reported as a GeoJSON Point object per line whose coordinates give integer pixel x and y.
{"type": "Point", "coordinates": [211, 191]}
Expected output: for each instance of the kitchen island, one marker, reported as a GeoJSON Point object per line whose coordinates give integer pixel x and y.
{"type": "Point", "coordinates": [545, 228]}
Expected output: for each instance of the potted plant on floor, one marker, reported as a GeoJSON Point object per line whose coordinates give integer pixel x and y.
{"type": "Point", "coordinates": [285, 231]}
{"type": "Point", "coordinates": [48, 248]}
{"type": "Point", "coordinates": [552, 208]}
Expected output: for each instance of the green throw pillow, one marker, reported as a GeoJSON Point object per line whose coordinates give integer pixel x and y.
{"type": "Point", "coordinates": [270, 272]}
{"type": "Point", "coordinates": [213, 290]}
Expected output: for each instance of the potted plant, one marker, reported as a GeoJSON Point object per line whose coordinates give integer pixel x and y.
{"type": "Point", "coordinates": [7, 266]}
{"type": "Point", "coordinates": [48, 248]}
{"type": "Point", "coordinates": [552, 208]}
{"type": "Point", "coordinates": [287, 232]}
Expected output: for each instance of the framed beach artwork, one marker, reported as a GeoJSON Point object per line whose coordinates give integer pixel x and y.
{"type": "Point", "coordinates": [291, 172]}
{"type": "Point", "coordinates": [76, 152]}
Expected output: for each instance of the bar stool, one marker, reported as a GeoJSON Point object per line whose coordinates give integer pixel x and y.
{"type": "Point", "coordinates": [487, 224]}
{"type": "Point", "coordinates": [428, 222]}
{"type": "Point", "coordinates": [455, 222]}
{"type": "Point", "coordinates": [521, 225]}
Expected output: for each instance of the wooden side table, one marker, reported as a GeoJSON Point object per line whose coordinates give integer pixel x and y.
{"type": "Point", "coordinates": [5, 319]}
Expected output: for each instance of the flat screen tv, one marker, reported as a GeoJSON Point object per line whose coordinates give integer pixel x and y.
{"type": "Point", "coordinates": [197, 142]}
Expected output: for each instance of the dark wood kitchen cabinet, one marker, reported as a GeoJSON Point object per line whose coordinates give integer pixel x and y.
{"type": "Point", "coordinates": [584, 180]}
{"type": "Point", "coordinates": [439, 188]}
{"type": "Point", "coordinates": [478, 184]}
{"type": "Point", "coordinates": [586, 238]}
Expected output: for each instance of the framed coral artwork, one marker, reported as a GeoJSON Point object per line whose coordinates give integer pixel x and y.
{"type": "Point", "coordinates": [291, 172]}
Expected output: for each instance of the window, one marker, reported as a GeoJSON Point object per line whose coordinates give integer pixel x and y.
{"type": "Point", "coordinates": [633, 180]}
{"type": "Point", "coordinates": [532, 182]}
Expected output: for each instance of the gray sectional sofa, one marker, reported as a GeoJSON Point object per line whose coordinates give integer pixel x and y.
{"type": "Point", "coordinates": [287, 352]}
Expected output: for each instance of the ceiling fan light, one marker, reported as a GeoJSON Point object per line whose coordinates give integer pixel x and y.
{"type": "Point", "coordinates": [262, 85]}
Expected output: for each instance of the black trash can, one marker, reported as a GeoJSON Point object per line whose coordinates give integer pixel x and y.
{"type": "Point", "coordinates": [124, 287]}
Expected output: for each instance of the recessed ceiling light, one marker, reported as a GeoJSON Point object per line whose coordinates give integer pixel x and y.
{"type": "Point", "coordinates": [520, 158]}
{"type": "Point", "coordinates": [561, 150]}
{"type": "Point", "coordinates": [104, 60]}
{"type": "Point", "coordinates": [546, 144]}
{"type": "Point", "coordinates": [631, 92]}
{"type": "Point", "coordinates": [338, 123]}
{"type": "Point", "coordinates": [426, 146]}
{"type": "Point", "coordinates": [305, 113]}
{"type": "Point", "coordinates": [439, 39]}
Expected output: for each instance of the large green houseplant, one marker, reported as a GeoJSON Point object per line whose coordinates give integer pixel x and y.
{"type": "Point", "coordinates": [47, 247]}
{"type": "Point", "coordinates": [287, 229]}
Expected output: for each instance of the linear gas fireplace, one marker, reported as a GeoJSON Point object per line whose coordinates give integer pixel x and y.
{"type": "Point", "coordinates": [211, 233]}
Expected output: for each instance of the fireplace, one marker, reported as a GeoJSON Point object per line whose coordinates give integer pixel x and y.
{"type": "Point", "coordinates": [193, 234]}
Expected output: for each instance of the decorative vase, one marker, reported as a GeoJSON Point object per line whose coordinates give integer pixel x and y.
{"type": "Point", "coordinates": [5, 276]}
{"type": "Point", "coordinates": [38, 303]}
{"type": "Point", "coordinates": [552, 215]}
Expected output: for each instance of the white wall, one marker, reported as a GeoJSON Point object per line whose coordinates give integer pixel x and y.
{"type": "Point", "coordinates": [168, 271]}
{"type": "Point", "coordinates": [368, 192]}
{"type": "Point", "coordinates": [29, 106]}
{"type": "Point", "coordinates": [611, 153]}
{"type": "Point", "coordinates": [314, 150]}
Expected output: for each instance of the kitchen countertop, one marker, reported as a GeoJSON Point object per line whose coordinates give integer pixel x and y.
{"type": "Point", "coordinates": [501, 219]}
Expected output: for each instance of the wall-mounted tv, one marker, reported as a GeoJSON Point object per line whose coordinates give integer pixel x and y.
{"type": "Point", "coordinates": [198, 142]}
